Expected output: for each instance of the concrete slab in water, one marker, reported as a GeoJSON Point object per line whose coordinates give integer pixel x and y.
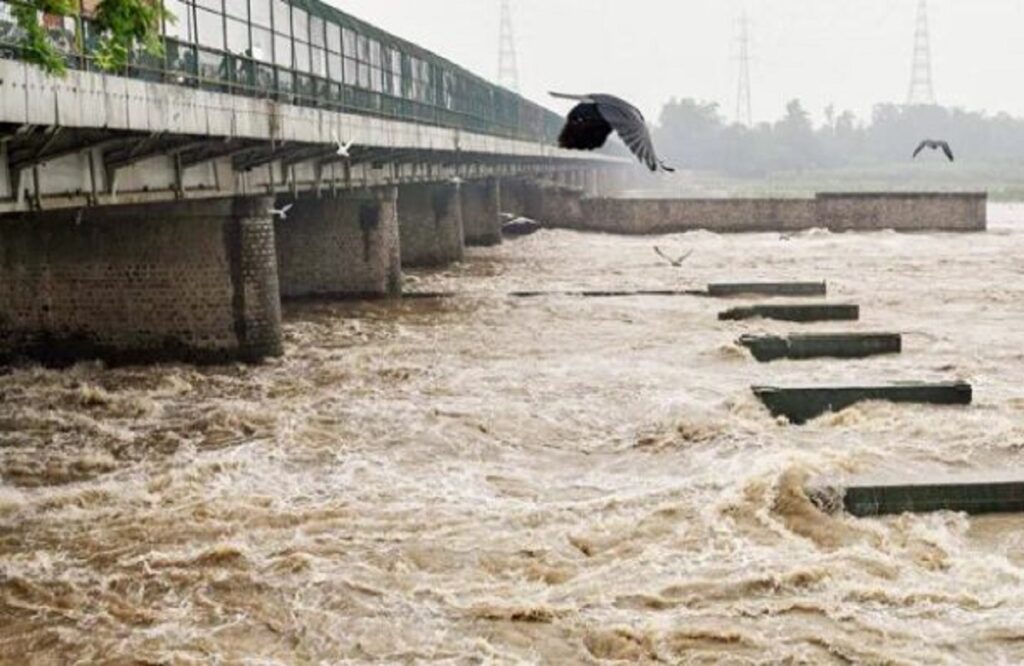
{"type": "Point", "coordinates": [800, 405]}
{"type": "Point", "coordinates": [795, 312]}
{"type": "Point", "coordinates": [767, 348]}
{"type": "Point", "coordinates": [767, 289]}
{"type": "Point", "coordinates": [976, 495]}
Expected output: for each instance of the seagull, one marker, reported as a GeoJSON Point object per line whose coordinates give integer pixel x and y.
{"type": "Point", "coordinates": [343, 148]}
{"type": "Point", "coordinates": [598, 115]}
{"type": "Point", "coordinates": [933, 144]}
{"type": "Point", "coordinates": [455, 180]}
{"type": "Point", "coordinates": [282, 213]}
{"type": "Point", "coordinates": [676, 263]}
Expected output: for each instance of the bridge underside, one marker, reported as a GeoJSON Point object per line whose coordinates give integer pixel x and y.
{"type": "Point", "coordinates": [137, 223]}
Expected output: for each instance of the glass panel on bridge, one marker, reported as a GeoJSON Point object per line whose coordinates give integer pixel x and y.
{"type": "Point", "coordinates": [211, 29]}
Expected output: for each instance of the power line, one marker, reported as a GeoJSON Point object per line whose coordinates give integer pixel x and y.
{"type": "Point", "coordinates": [921, 89]}
{"type": "Point", "coordinates": [744, 105]}
{"type": "Point", "coordinates": [508, 68]}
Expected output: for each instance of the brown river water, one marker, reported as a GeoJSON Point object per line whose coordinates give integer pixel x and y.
{"type": "Point", "coordinates": [557, 480]}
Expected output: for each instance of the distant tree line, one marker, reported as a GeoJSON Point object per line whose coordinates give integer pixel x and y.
{"type": "Point", "coordinates": [694, 135]}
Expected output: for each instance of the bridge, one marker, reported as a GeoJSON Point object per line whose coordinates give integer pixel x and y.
{"type": "Point", "coordinates": [136, 209]}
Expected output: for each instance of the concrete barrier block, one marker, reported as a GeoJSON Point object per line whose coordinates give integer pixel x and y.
{"type": "Point", "coordinates": [800, 405]}
{"type": "Point", "coordinates": [794, 312]}
{"type": "Point", "coordinates": [767, 348]}
{"type": "Point", "coordinates": [727, 289]}
{"type": "Point", "coordinates": [878, 498]}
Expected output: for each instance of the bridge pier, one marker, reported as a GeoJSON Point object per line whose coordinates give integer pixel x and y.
{"type": "Point", "coordinates": [183, 281]}
{"type": "Point", "coordinates": [340, 246]}
{"type": "Point", "coordinates": [430, 224]}
{"type": "Point", "coordinates": [481, 212]}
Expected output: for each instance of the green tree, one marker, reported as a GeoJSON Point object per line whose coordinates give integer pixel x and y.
{"type": "Point", "coordinates": [124, 25]}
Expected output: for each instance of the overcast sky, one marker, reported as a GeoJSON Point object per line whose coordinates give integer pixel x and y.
{"type": "Point", "coordinates": [850, 53]}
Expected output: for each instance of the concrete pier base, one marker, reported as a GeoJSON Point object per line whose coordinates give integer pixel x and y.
{"type": "Point", "coordinates": [795, 313]}
{"type": "Point", "coordinates": [430, 224]}
{"type": "Point", "coordinates": [345, 246]}
{"type": "Point", "coordinates": [187, 281]}
{"type": "Point", "coordinates": [481, 212]}
{"type": "Point", "coordinates": [766, 348]}
{"type": "Point", "coordinates": [800, 405]}
{"type": "Point", "coordinates": [730, 289]}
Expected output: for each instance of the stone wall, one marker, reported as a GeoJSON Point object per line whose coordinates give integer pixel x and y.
{"type": "Point", "coordinates": [430, 224]}
{"type": "Point", "coordinates": [193, 281]}
{"type": "Point", "coordinates": [837, 212]}
{"type": "Point", "coordinates": [902, 211]}
{"type": "Point", "coordinates": [341, 246]}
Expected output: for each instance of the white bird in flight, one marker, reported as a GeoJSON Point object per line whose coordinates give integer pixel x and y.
{"type": "Point", "coordinates": [343, 148]}
{"type": "Point", "coordinates": [282, 212]}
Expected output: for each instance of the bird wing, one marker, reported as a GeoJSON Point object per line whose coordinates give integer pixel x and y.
{"type": "Point", "coordinates": [682, 258]}
{"type": "Point", "coordinates": [946, 149]}
{"type": "Point", "coordinates": [920, 147]}
{"type": "Point", "coordinates": [657, 250]}
{"type": "Point", "coordinates": [577, 98]}
{"type": "Point", "coordinates": [629, 123]}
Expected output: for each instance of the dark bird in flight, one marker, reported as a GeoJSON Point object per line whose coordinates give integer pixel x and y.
{"type": "Point", "coordinates": [932, 144]}
{"type": "Point", "coordinates": [597, 116]}
{"type": "Point", "coordinates": [676, 263]}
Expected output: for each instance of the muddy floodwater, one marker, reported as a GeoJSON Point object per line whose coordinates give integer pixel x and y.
{"type": "Point", "coordinates": [556, 480]}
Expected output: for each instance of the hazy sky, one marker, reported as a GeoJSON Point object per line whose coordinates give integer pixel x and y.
{"type": "Point", "coordinates": [850, 53]}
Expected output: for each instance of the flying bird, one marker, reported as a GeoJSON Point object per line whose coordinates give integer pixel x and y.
{"type": "Point", "coordinates": [933, 144]}
{"type": "Point", "coordinates": [676, 263]}
{"type": "Point", "coordinates": [282, 212]}
{"type": "Point", "coordinates": [343, 148]}
{"type": "Point", "coordinates": [597, 116]}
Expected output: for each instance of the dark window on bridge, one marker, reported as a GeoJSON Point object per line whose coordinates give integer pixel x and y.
{"type": "Point", "coordinates": [363, 54]}
{"type": "Point", "coordinates": [349, 43]}
{"type": "Point", "coordinates": [318, 43]}
{"type": "Point", "coordinates": [395, 75]}
{"type": "Point", "coordinates": [300, 32]}
{"type": "Point", "coordinates": [376, 67]}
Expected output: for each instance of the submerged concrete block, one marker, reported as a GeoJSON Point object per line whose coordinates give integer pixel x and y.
{"type": "Point", "coordinates": [794, 312]}
{"type": "Point", "coordinates": [971, 495]}
{"type": "Point", "coordinates": [727, 289]}
{"type": "Point", "coordinates": [800, 405]}
{"type": "Point", "coordinates": [767, 348]}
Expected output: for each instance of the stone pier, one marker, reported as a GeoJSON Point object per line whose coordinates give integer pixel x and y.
{"type": "Point", "coordinates": [345, 246]}
{"type": "Point", "coordinates": [481, 211]}
{"type": "Point", "coordinates": [430, 224]}
{"type": "Point", "coordinates": [185, 281]}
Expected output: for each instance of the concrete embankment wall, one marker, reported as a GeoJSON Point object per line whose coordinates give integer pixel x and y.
{"type": "Point", "coordinates": [178, 281]}
{"type": "Point", "coordinates": [833, 211]}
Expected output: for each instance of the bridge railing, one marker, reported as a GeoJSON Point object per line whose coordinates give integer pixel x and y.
{"type": "Point", "coordinates": [307, 53]}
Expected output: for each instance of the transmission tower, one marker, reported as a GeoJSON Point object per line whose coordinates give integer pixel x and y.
{"type": "Point", "coordinates": [921, 90]}
{"type": "Point", "coordinates": [508, 69]}
{"type": "Point", "coordinates": [744, 106]}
